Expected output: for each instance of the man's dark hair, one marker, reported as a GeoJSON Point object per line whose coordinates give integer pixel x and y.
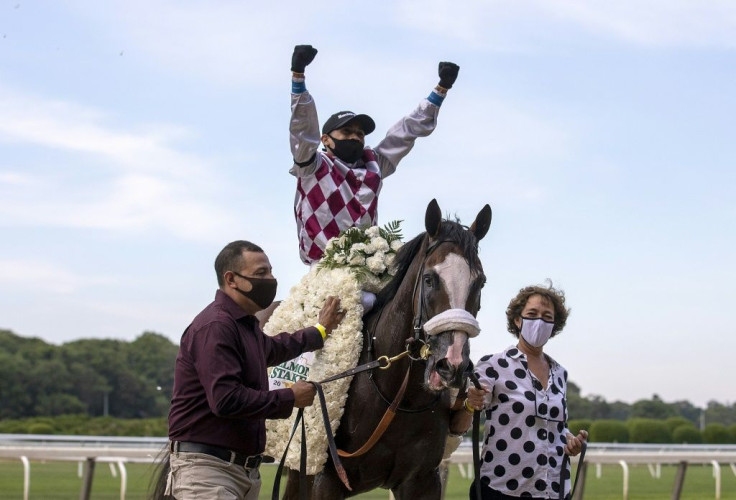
{"type": "Point", "coordinates": [230, 258]}
{"type": "Point", "coordinates": [549, 294]}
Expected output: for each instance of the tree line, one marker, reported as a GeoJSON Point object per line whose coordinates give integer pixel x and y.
{"type": "Point", "coordinates": [134, 380]}
{"type": "Point", "coordinates": [93, 377]}
{"type": "Point", "coordinates": [595, 407]}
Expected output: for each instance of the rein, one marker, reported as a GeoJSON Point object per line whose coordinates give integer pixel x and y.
{"type": "Point", "coordinates": [383, 363]}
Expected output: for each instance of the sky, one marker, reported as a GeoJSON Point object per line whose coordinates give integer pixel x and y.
{"type": "Point", "coordinates": [137, 138]}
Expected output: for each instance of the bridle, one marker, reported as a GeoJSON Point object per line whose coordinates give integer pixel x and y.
{"type": "Point", "coordinates": [417, 348]}
{"type": "Point", "coordinates": [421, 347]}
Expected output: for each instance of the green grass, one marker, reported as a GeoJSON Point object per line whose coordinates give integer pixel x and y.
{"type": "Point", "coordinates": [59, 480]}
{"type": "Point", "coordinates": [699, 483]}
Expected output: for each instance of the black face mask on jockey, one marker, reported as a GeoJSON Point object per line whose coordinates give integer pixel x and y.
{"type": "Point", "coordinates": [348, 150]}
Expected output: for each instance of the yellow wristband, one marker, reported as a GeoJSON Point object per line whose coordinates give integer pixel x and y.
{"type": "Point", "coordinates": [468, 408]}
{"type": "Point", "coordinates": [322, 330]}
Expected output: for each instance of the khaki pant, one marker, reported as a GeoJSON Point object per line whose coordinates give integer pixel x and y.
{"type": "Point", "coordinates": [200, 476]}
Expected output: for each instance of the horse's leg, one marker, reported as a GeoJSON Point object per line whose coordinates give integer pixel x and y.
{"type": "Point", "coordinates": [426, 487]}
{"type": "Point", "coordinates": [327, 485]}
{"type": "Point", "coordinates": [292, 486]}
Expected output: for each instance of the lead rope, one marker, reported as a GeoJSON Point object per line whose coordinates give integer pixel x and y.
{"type": "Point", "coordinates": [303, 461]}
{"type": "Point", "coordinates": [476, 438]}
{"type": "Point", "coordinates": [565, 461]}
{"type": "Point", "coordinates": [383, 363]}
{"type": "Point", "coordinates": [303, 458]}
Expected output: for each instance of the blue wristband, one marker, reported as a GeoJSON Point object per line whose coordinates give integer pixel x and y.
{"type": "Point", "coordinates": [298, 87]}
{"type": "Point", "coordinates": [435, 98]}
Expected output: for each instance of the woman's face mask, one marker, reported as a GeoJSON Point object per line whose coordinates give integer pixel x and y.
{"type": "Point", "coordinates": [536, 331]}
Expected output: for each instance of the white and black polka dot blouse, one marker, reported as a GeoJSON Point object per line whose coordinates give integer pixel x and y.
{"type": "Point", "coordinates": [525, 427]}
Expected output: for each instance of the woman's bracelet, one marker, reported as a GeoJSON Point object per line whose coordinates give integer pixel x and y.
{"type": "Point", "coordinates": [467, 407]}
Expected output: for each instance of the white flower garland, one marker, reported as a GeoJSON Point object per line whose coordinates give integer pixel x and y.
{"type": "Point", "coordinates": [369, 253]}
{"type": "Point", "coordinates": [357, 259]}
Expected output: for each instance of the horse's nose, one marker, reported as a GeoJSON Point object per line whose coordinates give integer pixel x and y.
{"type": "Point", "coordinates": [452, 375]}
{"type": "Point", "coordinates": [445, 369]}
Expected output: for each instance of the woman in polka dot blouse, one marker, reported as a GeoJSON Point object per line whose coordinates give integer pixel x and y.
{"type": "Point", "coordinates": [523, 394]}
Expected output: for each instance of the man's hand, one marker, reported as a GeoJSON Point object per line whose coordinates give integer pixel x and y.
{"type": "Point", "coordinates": [331, 315]}
{"type": "Point", "coordinates": [302, 56]}
{"type": "Point", "coordinates": [303, 394]}
{"type": "Point", "coordinates": [448, 74]}
{"type": "Point", "coordinates": [575, 443]}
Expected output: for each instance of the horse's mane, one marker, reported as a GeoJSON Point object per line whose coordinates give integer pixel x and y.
{"type": "Point", "coordinates": [449, 231]}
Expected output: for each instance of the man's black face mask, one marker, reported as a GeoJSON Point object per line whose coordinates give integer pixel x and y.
{"type": "Point", "coordinates": [263, 291]}
{"type": "Point", "coordinates": [348, 150]}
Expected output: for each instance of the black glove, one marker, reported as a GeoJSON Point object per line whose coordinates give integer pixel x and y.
{"type": "Point", "coordinates": [448, 74]}
{"type": "Point", "coordinates": [302, 56]}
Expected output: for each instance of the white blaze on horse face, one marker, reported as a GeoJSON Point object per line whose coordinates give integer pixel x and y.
{"type": "Point", "coordinates": [454, 272]}
{"type": "Point", "coordinates": [455, 351]}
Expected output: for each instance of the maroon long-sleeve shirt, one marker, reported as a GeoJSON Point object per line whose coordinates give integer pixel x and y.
{"type": "Point", "coordinates": [221, 394]}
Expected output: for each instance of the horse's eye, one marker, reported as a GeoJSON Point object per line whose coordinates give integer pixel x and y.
{"type": "Point", "coordinates": [428, 280]}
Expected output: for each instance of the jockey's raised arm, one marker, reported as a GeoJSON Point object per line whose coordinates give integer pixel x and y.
{"type": "Point", "coordinates": [338, 187]}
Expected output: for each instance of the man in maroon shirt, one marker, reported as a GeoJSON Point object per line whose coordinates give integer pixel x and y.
{"type": "Point", "coordinates": [221, 399]}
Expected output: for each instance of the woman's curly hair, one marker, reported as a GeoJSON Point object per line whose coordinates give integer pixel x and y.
{"type": "Point", "coordinates": [550, 294]}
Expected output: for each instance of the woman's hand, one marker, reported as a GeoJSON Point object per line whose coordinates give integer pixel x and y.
{"type": "Point", "coordinates": [475, 399]}
{"type": "Point", "coordinates": [575, 443]}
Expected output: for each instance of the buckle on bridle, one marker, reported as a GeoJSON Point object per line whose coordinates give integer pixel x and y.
{"type": "Point", "coordinates": [418, 349]}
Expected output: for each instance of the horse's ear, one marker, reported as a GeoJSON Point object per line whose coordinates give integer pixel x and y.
{"type": "Point", "coordinates": [433, 219]}
{"type": "Point", "coordinates": [482, 222]}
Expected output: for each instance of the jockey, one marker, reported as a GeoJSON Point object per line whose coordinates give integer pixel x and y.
{"type": "Point", "coordinates": [338, 188]}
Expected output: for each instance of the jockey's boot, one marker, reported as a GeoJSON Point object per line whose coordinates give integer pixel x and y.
{"type": "Point", "coordinates": [367, 300]}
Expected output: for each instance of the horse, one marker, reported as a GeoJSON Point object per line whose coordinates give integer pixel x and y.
{"type": "Point", "coordinates": [437, 272]}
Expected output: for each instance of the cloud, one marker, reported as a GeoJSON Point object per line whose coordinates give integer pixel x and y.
{"type": "Point", "coordinates": [102, 177]}
{"type": "Point", "coordinates": [501, 151]}
{"type": "Point", "coordinates": [50, 123]}
{"type": "Point", "coordinates": [20, 275]}
{"type": "Point", "coordinates": [501, 25]}
{"type": "Point", "coordinates": [14, 179]}
{"type": "Point", "coordinates": [230, 42]}
{"type": "Point", "coordinates": [658, 23]}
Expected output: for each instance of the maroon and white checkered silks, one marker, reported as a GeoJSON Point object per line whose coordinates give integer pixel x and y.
{"type": "Point", "coordinates": [332, 196]}
{"type": "Point", "coordinates": [336, 197]}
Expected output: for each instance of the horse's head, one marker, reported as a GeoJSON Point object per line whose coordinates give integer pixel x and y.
{"type": "Point", "coordinates": [447, 294]}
